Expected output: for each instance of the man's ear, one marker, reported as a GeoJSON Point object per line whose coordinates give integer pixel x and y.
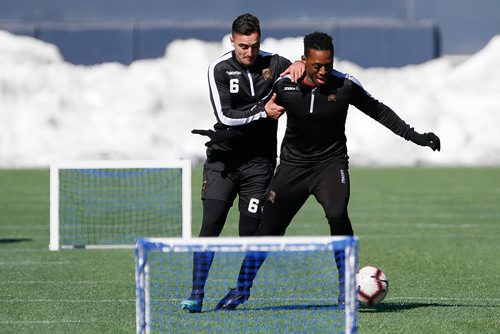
{"type": "Point", "coordinates": [303, 59]}
{"type": "Point", "coordinates": [232, 40]}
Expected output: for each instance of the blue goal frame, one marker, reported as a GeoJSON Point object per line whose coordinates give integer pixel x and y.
{"type": "Point", "coordinates": [145, 247]}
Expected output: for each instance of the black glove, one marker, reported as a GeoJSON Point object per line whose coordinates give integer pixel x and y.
{"type": "Point", "coordinates": [426, 139]}
{"type": "Point", "coordinates": [218, 136]}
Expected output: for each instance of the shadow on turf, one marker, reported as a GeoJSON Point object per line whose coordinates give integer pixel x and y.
{"type": "Point", "coordinates": [13, 240]}
{"type": "Point", "coordinates": [297, 307]}
{"type": "Point", "coordinates": [396, 307]}
{"type": "Point", "coordinates": [289, 307]}
{"type": "Point", "coordinates": [384, 307]}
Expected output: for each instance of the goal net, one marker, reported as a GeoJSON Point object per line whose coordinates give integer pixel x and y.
{"type": "Point", "coordinates": [110, 204]}
{"type": "Point", "coordinates": [295, 290]}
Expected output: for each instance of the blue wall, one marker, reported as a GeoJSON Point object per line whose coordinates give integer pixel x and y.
{"type": "Point", "coordinates": [375, 44]}
{"type": "Point", "coordinates": [370, 33]}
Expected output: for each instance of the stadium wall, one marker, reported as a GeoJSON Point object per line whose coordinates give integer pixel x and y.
{"type": "Point", "coordinates": [367, 43]}
{"type": "Point", "coordinates": [465, 26]}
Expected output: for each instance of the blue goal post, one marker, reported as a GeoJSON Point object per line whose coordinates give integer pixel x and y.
{"type": "Point", "coordinates": [111, 204]}
{"type": "Point", "coordinates": [295, 291]}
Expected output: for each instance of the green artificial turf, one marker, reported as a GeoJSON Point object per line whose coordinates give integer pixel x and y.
{"type": "Point", "coordinates": [435, 232]}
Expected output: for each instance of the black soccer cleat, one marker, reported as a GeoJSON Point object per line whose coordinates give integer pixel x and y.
{"type": "Point", "coordinates": [233, 298]}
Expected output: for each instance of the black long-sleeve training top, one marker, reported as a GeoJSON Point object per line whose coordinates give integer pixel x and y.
{"type": "Point", "coordinates": [316, 117]}
{"type": "Point", "coordinates": [238, 95]}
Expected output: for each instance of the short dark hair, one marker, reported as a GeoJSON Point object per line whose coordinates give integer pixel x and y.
{"type": "Point", "coordinates": [318, 41]}
{"type": "Point", "coordinates": [246, 24]}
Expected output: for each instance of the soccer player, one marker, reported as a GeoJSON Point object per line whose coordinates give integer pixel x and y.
{"type": "Point", "coordinates": [242, 151]}
{"type": "Point", "coordinates": [313, 159]}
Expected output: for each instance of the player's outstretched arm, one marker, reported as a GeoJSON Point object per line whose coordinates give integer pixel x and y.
{"type": "Point", "coordinates": [426, 139]}
{"type": "Point", "coordinates": [218, 136]}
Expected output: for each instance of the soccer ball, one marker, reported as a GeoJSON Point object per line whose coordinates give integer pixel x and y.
{"type": "Point", "coordinates": [373, 286]}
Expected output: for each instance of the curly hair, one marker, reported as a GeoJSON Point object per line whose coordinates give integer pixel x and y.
{"type": "Point", "coordinates": [318, 41]}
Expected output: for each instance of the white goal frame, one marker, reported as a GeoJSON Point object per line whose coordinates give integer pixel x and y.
{"type": "Point", "coordinates": [55, 167]}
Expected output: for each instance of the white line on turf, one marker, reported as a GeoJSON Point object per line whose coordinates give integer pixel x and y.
{"type": "Point", "coordinates": [22, 250]}
{"type": "Point", "coordinates": [488, 299]}
{"type": "Point", "coordinates": [425, 225]}
{"type": "Point", "coordinates": [74, 301]}
{"type": "Point", "coordinates": [458, 236]}
{"type": "Point", "coordinates": [25, 227]}
{"type": "Point", "coordinates": [67, 282]}
{"type": "Point", "coordinates": [31, 263]}
{"type": "Point", "coordinates": [450, 225]}
{"type": "Point", "coordinates": [49, 322]}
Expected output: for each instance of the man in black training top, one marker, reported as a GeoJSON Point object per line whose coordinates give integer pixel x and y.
{"type": "Point", "coordinates": [242, 151]}
{"type": "Point", "coordinates": [313, 157]}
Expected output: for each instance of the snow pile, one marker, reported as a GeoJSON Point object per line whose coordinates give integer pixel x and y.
{"type": "Point", "coordinates": [53, 110]}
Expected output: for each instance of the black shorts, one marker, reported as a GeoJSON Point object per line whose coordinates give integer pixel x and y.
{"type": "Point", "coordinates": [328, 182]}
{"type": "Point", "coordinates": [250, 180]}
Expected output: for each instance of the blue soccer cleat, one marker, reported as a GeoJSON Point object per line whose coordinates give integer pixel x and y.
{"type": "Point", "coordinates": [341, 298]}
{"type": "Point", "coordinates": [193, 304]}
{"type": "Point", "coordinates": [339, 260]}
{"type": "Point", "coordinates": [233, 298]}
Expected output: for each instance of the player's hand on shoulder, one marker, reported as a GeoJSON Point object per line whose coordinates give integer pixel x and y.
{"type": "Point", "coordinates": [296, 71]}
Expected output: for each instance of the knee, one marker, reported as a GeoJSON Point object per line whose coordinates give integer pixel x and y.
{"type": "Point", "coordinates": [248, 225]}
{"type": "Point", "coordinates": [270, 230]}
{"type": "Point", "coordinates": [340, 224]}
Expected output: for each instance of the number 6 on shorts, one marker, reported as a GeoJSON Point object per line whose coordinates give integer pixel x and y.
{"type": "Point", "coordinates": [253, 205]}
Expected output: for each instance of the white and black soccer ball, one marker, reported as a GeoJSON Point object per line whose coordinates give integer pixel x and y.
{"type": "Point", "coordinates": [372, 284]}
